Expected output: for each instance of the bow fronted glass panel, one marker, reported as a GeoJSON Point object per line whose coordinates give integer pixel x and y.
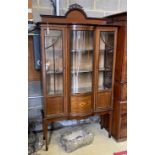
{"type": "Point", "coordinates": [81, 51]}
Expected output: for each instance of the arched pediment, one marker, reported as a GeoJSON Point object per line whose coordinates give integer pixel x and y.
{"type": "Point", "coordinates": [75, 11]}
{"type": "Point", "coordinates": [75, 15]}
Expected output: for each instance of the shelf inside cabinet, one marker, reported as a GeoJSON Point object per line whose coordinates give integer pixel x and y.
{"type": "Point", "coordinates": [80, 71]}
{"type": "Point", "coordinates": [53, 50]}
{"type": "Point", "coordinates": [105, 69]}
{"type": "Point", "coordinates": [81, 50]}
{"type": "Point", "coordinates": [100, 88]}
{"type": "Point", "coordinates": [102, 50]}
{"type": "Point", "coordinates": [108, 51]}
{"type": "Point", "coordinates": [56, 92]}
{"type": "Point", "coordinates": [54, 36]}
{"type": "Point", "coordinates": [81, 90]}
{"type": "Point", "coordinates": [54, 72]}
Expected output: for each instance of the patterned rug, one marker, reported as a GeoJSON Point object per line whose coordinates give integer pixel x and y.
{"type": "Point", "coordinates": [121, 153]}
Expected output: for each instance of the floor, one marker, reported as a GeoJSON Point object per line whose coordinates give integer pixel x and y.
{"type": "Point", "coordinates": [102, 145]}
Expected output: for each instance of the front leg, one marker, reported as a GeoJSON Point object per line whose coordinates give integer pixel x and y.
{"type": "Point", "coordinates": [110, 124]}
{"type": "Point", "coordinates": [45, 134]}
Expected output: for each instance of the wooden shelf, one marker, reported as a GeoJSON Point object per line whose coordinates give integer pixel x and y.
{"type": "Point", "coordinates": [81, 71]}
{"type": "Point", "coordinates": [81, 50]}
{"type": "Point", "coordinates": [103, 69]}
{"type": "Point", "coordinates": [100, 88]}
{"type": "Point", "coordinates": [81, 90]}
{"type": "Point", "coordinates": [51, 50]}
{"type": "Point", "coordinates": [108, 51]}
{"type": "Point", "coordinates": [102, 51]}
{"type": "Point", "coordinates": [52, 72]}
{"type": "Point", "coordinates": [60, 72]}
{"type": "Point", "coordinates": [57, 92]}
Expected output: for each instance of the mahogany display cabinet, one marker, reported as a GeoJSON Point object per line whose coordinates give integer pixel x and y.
{"type": "Point", "coordinates": [78, 65]}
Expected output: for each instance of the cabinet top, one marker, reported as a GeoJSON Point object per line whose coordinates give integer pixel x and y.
{"type": "Point", "coordinates": [75, 15]}
{"type": "Point", "coordinates": [119, 19]}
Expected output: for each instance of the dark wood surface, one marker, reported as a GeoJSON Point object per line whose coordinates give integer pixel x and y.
{"type": "Point", "coordinates": [123, 127]}
{"type": "Point", "coordinates": [121, 58]}
{"type": "Point", "coordinates": [123, 107]}
{"type": "Point", "coordinates": [54, 105]}
{"type": "Point", "coordinates": [119, 125]}
{"type": "Point", "coordinates": [119, 19]}
{"type": "Point", "coordinates": [103, 100]}
{"type": "Point", "coordinates": [73, 16]}
{"type": "Point", "coordinates": [120, 91]}
{"type": "Point", "coordinates": [81, 105]}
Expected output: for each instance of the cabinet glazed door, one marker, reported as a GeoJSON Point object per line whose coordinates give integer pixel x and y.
{"type": "Point", "coordinates": [105, 58]}
{"type": "Point", "coordinates": [81, 69]}
{"type": "Point", "coordinates": [54, 69]}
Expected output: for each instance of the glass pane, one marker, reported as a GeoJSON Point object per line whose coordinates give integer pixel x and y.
{"type": "Point", "coordinates": [81, 61]}
{"type": "Point", "coordinates": [106, 60]}
{"type": "Point", "coordinates": [54, 61]}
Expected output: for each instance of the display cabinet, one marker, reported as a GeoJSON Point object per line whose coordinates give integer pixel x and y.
{"type": "Point", "coordinates": [78, 63]}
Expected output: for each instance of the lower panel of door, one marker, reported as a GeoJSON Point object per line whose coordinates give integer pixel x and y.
{"type": "Point", "coordinates": [54, 105]}
{"type": "Point", "coordinates": [81, 105]}
{"type": "Point", "coordinates": [103, 100]}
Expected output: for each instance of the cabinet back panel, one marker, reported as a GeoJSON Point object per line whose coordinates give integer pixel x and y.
{"type": "Point", "coordinates": [103, 100]}
{"type": "Point", "coordinates": [54, 105]}
{"type": "Point", "coordinates": [81, 104]}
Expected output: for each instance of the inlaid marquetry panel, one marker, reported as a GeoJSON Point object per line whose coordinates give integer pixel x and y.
{"type": "Point", "coordinates": [81, 104]}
